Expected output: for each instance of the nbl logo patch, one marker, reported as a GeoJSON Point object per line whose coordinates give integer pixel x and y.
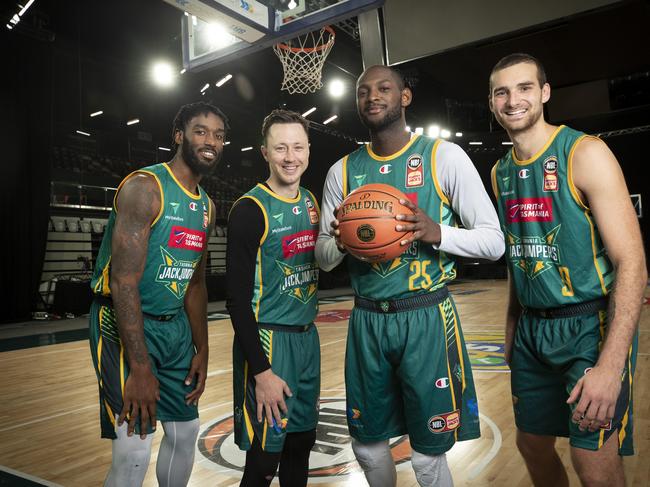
{"type": "Point", "coordinates": [332, 454]}
{"type": "Point", "coordinates": [444, 423]}
{"type": "Point", "coordinates": [414, 171]}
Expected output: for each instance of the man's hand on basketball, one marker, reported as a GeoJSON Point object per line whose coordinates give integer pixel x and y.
{"type": "Point", "coordinates": [422, 226]}
{"type": "Point", "coordinates": [141, 391]}
{"type": "Point", "coordinates": [596, 393]}
{"type": "Point", "coordinates": [335, 232]}
{"type": "Point", "coordinates": [198, 368]}
{"type": "Point", "coordinates": [269, 392]}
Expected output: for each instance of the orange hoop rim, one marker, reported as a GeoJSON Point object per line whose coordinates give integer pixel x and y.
{"type": "Point", "coordinates": [321, 47]}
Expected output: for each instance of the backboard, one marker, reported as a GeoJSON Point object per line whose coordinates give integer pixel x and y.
{"type": "Point", "coordinates": [218, 31]}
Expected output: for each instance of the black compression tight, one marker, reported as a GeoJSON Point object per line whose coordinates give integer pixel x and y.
{"type": "Point", "coordinates": [261, 466]}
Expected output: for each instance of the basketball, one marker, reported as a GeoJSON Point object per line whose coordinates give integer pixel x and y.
{"type": "Point", "coordinates": [367, 223]}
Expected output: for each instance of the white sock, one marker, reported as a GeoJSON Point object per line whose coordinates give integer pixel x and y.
{"type": "Point", "coordinates": [431, 470]}
{"type": "Point", "coordinates": [176, 455]}
{"type": "Point", "coordinates": [377, 463]}
{"type": "Point", "coordinates": [130, 459]}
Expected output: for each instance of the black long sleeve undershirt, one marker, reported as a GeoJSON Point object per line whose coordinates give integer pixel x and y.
{"type": "Point", "coordinates": [245, 228]}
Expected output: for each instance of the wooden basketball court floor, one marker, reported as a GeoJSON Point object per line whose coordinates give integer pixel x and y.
{"type": "Point", "coordinates": [49, 428]}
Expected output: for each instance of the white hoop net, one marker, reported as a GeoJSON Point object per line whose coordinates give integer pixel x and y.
{"type": "Point", "coordinates": [303, 59]}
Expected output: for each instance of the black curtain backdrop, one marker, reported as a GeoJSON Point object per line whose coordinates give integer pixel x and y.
{"type": "Point", "coordinates": [25, 125]}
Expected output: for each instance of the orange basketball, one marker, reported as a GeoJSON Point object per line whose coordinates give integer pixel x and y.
{"type": "Point", "coordinates": [367, 223]}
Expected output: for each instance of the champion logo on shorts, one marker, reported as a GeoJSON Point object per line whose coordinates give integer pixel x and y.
{"type": "Point", "coordinates": [444, 423]}
{"type": "Point", "coordinates": [442, 382]}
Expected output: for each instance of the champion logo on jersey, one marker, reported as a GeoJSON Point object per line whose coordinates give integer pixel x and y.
{"type": "Point", "coordinates": [193, 206]}
{"type": "Point", "coordinates": [296, 210]}
{"type": "Point", "coordinates": [386, 169]}
{"type": "Point", "coordinates": [524, 173]}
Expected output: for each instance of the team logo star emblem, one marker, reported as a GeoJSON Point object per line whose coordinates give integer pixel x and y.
{"type": "Point", "coordinates": [295, 277]}
{"type": "Point", "coordinates": [174, 273]}
{"type": "Point", "coordinates": [526, 258]}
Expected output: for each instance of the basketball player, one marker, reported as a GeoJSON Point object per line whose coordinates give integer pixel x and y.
{"type": "Point", "coordinates": [148, 321]}
{"type": "Point", "coordinates": [406, 368]}
{"type": "Point", "coordinates": [272, 281]}
{"type": "Point", "coordinates": [577, 274]}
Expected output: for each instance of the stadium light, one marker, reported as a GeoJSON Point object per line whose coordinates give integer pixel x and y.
{"type": "Point", "coordinates": [332, 118]}
{"type": "Point", "coordinates": [133, 121]}
{"type": "Point", "coordinates": [336, 88]}
{"type": "Point", "coordinates": [433, 131]}
{"type": "Point", "coordinates": [162, 74]}
{"type": "Point", "coordinates": [309, 112]}
{"type": "Point", "coordinates": [97, 113]}
{"type": "Point", "coordinates": [81, 132]}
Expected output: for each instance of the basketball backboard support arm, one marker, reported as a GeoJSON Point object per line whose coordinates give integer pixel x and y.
{"type": "Point", "coordinates": [372, 38]}
{"type": "Point", "coordinates": [277, 30]}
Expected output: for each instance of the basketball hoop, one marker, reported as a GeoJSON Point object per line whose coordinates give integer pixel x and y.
{"type": "Point", "coordinates": [303, 59]}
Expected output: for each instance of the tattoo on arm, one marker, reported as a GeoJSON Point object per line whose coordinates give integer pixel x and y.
{"type": "Point", "coordinates": [138, 204]}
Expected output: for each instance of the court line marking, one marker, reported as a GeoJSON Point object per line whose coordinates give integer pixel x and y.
{"type": "Point", "coordinates": [335, 341]}
{"type": "Point", "coordinates": [40, 420]}
{"type": "Point", "coordinates": [214, 406]}
{"type": "Point", "coordinates": [496, 446]}
{"type": "Point", "coordinates": [219, 372]}
{"type": "Point", "coordinates": [26, 476]}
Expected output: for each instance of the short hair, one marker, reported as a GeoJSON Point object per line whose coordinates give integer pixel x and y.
{"type": "Point", "coordinates": [191, 110]}
{"type": "Point", "coordinates": [517, 58]}
{"type": "Point", "coordinates": [403, 79]}
{"type": "Point", "coordinates": [280, 115]}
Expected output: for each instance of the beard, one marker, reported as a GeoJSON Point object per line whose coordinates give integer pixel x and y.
{"type": "Point", "coordinates": [195, 163]}
{"type": "Point", "coordinates": [392, 115]}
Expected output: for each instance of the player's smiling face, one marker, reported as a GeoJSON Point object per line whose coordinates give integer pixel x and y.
{"type": "Point", "coordinates": [516, 97]}
{"type": "Point", "coordinates": [380, 98]}
{"type": "Point", "coordinates": [202, 143]}
{"type": "Point", "coordinates": [286, 149]}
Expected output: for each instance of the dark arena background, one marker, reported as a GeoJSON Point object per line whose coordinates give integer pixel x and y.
{"type": "Point", "coordinates": [89, 92]}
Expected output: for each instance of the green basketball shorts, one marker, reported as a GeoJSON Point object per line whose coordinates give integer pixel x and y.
{"type": "Point", "coordinates": [170, 348]}
{"type": "Point", "coordinates": [549, 356]}
{"type": "Point", "coordinates": [295, 358]}
{"type": "Point", "coordinates": [408, 372]}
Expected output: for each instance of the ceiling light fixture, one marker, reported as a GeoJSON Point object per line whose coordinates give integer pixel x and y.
{"type": "Point", "coordinates": [223, 80]}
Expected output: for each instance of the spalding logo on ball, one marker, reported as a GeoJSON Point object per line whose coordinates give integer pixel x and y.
{"type": "Point", "coordinates": [367, 223]}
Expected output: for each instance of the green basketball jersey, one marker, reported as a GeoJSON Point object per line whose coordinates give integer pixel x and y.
{"type": "Point", "coordinates": [412, 170]}
{"type": "Point", "coordinates": [178, 237]}
{"type": "Point", "coordinates": [553, 248]}
{"type": "Point", "coordinates": [286, 273]}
